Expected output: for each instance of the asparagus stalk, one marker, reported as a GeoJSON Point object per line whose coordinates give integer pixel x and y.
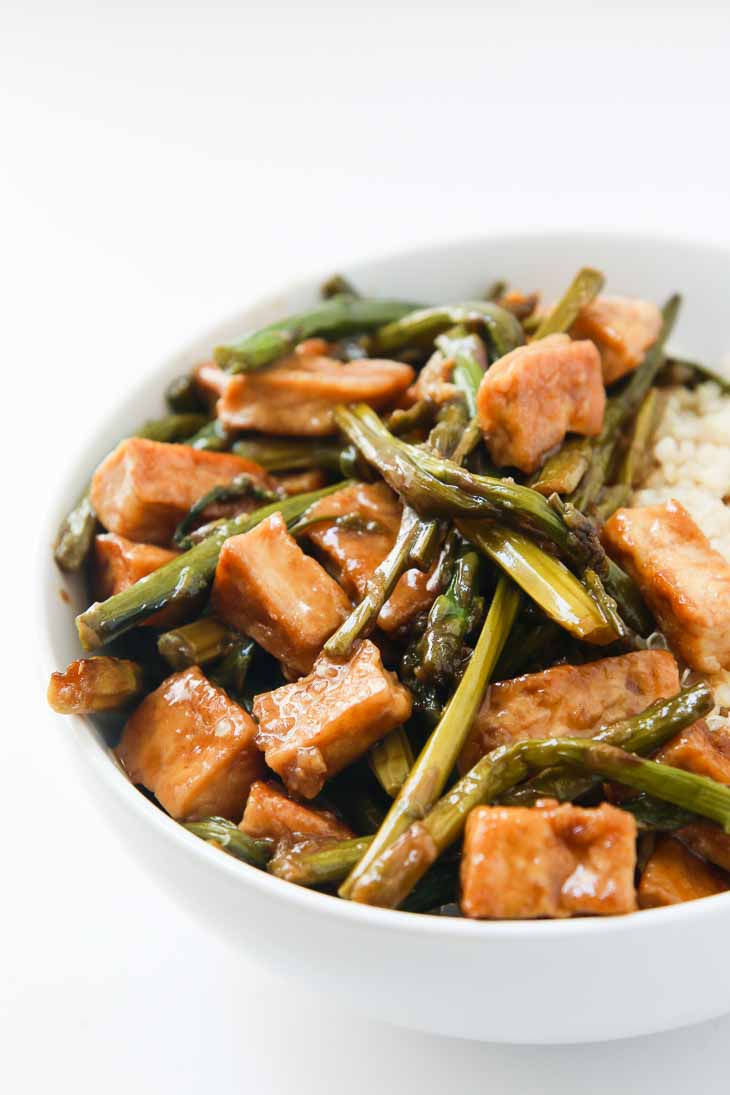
{"type": "Point", "coordinates": [584, 288]}
{"type": "Point", "coordinates": [183, 579]}
{"type": "Point", "coordinates": [439, 649]}
{"type": "Point", "coordinates": [415, 545]}
{"type": "Point", "coordinates": [232, 670]}
{"type": "Point", "coordinates": [394, 872]}
{"type": "Point", "coordinates": [336, 286]}
{"type": "Point", "coordinates": [431, 770]}
{"type": "Point", "coordinates": [410, 419]}
{"type": "Point", "coordinates": [241, 486]}
{"type": "Point", "coordinates": [653, 815]}
{"type": "Point", "coordinates": [545, 579]}
{"type": "Point", "coordinates": [642, 734]}
{"type": "Point", "coordinates": [90, 685]}
{"type": "Point", "coordinates": [289, 453]}
{"type": "Point", "coordinates": [182, 395]}
{"type": "Point", "coordinates": [634, 461]}
{"type": "Point", "coordinates": [562, 473]}
{"type": "Point", "coordinates": [197, 643]}
{"type": "Point", "coordinates": [502, 330]}
{"type": "Point", "coordinates": [211, 437]}
{"type": "Point", "coordinates": [619, 410]}
{"type": "Point", "coordinates": [76, 534]}
{"type": "Point", "coordinates": [391, 759]}
{"type": "Point", "coordinates": [226, 835]}
{"type": "Point", "coordinates": [341, 315]}
{"type": "Point", "coordinates": [470, 362]}
{"type": "Point", "coordinates": [315, 863]}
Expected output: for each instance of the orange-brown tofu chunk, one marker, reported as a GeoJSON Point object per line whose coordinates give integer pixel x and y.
{"type": "Point", "coordinates": [673, 874]}
{"type": "Point", "coordinates": [707, 841]}
{"type": "Point", "coordinates": [533, 396]}
{"type": "Point", "coordinates": [313, 728]}
{"type": "Point", "coordinates": [144, 488]}
{"type": "Point", "coordinates": [271, 813]}
{"type": "Point", "coordinates": [623, 329]}
{"type": "Point", "coordinates": [700, 750]}
{"type": "Point", "coordinates": [119, 563]}
{"type": "Point", "coordinates": [299, 393]}
{"type": "Point", "coordinates": [353, 553]}
{"type": "Point", "coordinates": [570, 701]}
{"type": "Point", "coordinates": [266, 587]}
{"type": "Point", "coordinates": [193, 747]}
{"type": "Point", "coordinates": [551, 861]}
{"type": "Point", "coordinates": [685, 582]}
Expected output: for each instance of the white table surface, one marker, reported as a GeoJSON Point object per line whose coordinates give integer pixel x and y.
{"type": "Point", "coordinates": [163, 164]}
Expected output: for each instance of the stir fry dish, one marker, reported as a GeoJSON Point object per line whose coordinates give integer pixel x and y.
{"type": "Point", "coordinates": [427, 606]}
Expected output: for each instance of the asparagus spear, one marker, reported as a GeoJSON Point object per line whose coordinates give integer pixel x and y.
{"type": "Point", "coordinates": [501, 329]}
{"type": "Point", "coordinates": [182, 394]}
{"type": "Point", "coordinates": [197, 643]}
{"type": "Point", "coordinates": [643, 734]}
{"type": "Point", "coordinates": [470, 362]}
{"type": "Point", "coordinates": [76, 534]}
{"type": "Point", "coordinates": [219, 831]}
{"type": "Point", "coordinates": [289, 453]}
{"type": "Point", "coordinates": [451, 616]}
{"type": "Point", "coordinates": [394, 872]}
{"type": "Point", "coordinates": [428, 775]}
{"type": "Point", "coordinates": [415, 545]}
{"type": "Point", "coordinates": [586, 285]}
{"type": "Point", "coordinates": [550, 584]}
{"type": "Point", "coordinates": [183, 579]}
{"type": "Point", "coordinates": [341, 315]}
{"type": "Point", "coordinates": [95, 684]}
{"type": "Point", "coordinates": [619, 410]}
{"type": "Point", "coordinates": [211, 437]}
{"type": "Point", "coordinates": [241, 486]}
{"type": "Point", "coordinates": [391, 759]}
{"type": "Point", "coordinates": [562, 473]}
{"type": "Point", "coordinates": [653, 815]}
{"type": "Point", "coordinates": [231, 672]}
{"type": "Point", "coordinates": [634, 461]}
{"type": "Point", "coordinates": [337, 285]}
{"type": "Point", "coordinates": [316, 862]}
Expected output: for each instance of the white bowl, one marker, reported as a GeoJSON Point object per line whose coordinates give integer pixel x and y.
{"type": "Point", "coordinates": [535, 982]}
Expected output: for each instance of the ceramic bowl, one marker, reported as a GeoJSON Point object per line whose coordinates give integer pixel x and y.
{"type": "Point", "coordinates": [534, 982]}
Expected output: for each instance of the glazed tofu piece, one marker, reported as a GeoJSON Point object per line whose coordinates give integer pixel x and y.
{"type": "Point", "coordinates": [685, 582]}
{"type": "Point", "coordinates": [673, 874]}
{"type": "Point", "coordinates": [707, 841]}
{"type": "Point", "coordinates": [300, 482]}
{"type": "Point", "coordinates": [532, 397]}
{"type": "Point", "coordinates": [570, 701]}
{"type": "Point", "coordinates": [271, 813]}
{"type": "Point", "coordinates": [700, 750]}
{"type": "Point", "coordinates": [313, 728]}
{"type": "Point", "coordinates": [434, 381]}
{"type": "Point", "coordinates": [193, 747]}
{"type": "Point", "coordinates": [352, 553]}
{"type": "Point", "coordinates": [552, 860]}
{"type": "Point", "coordinates": [118, 563]}
{"type": "Point", "coordinates": [266, 587]}
{"type": "Point", "coordinates": [144, 488]}
{"type": "Point", "coordinates": [298, 394]}
{"type": "Point", "coordinates": [622, 328]}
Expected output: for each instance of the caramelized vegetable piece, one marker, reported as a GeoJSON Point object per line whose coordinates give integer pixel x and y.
{"type": "Point", "coordinates": [551, 861]}
{"type": "Point", "coordinates": [673, 874]}
{"type": "Point", "coordinates": [570, 700]}
{"type": "Point", "coordinates": [532, 397]}
{"type": "Point", "coordinates": [685, 582]}
{"type": "Point", "coordinates": [700, 750]}
{"type": "Point", "coordinates": [271, 813]}
{"type": "Point", "coordinates": [193, 747]}
{"type": "Point", "coordinates": [298, 395]}
{"type": "Point", "coordinates": [144, 488]}
{"type": "Point", "coordinates": [266, 587]}
{"type": "Point", "coordinates": [119, 563]}
{"type": "Point", "coordinates": [313, 728]}
{"type": "Point", "coordinates": [622, 328]}
{"type": "Point", "coordinates": [352, 553]}
{"type": "Point", "coordinates": [95, 684]}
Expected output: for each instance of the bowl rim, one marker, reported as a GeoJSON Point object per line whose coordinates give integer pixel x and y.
{"type": "Point", "coordinates": [102, 763]}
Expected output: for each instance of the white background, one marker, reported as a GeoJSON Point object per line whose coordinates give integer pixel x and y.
{"type": "Point", "coordinates": [162, 164]}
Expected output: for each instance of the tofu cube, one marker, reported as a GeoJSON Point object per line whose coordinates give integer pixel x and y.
{"type": "Point", "coordinates": [673, 875]}
{"type": "Point", "coordinates": [313, 728]}
{"type": "Point", "coordinates": [271, 813]}
{"type": "Point", "coordinates": [685, 582]}
{"type": "Point", "coordinates": [550, 861]}
{"type": "Point", "coordinates": [266, 587]}
{"type": "Point", "coordinates": [193, 748]}
{"type": "Point", "coordinates": [144, 488]}
{"type": "Point", "coordinates": [118, 563]}
{"type": "Point", "coordinates": [622, 328]}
